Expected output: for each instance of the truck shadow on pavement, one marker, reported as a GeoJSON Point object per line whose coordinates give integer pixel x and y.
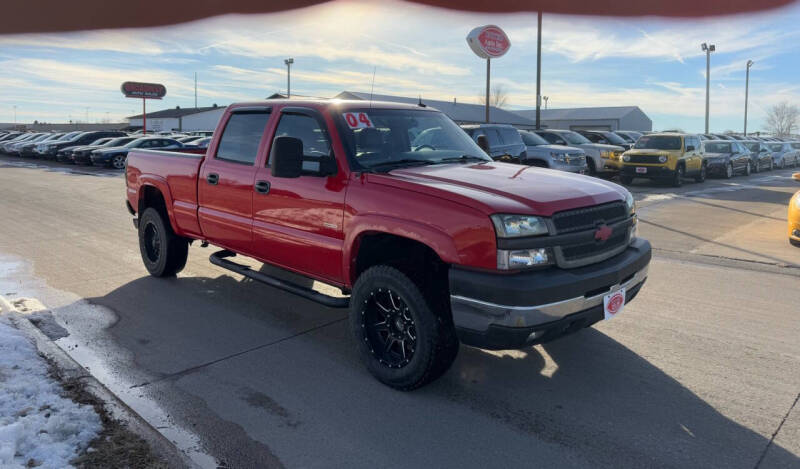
{"type": "Point", "coordinates": [585, 398]}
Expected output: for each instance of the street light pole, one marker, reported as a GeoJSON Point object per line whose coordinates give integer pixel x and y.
{"type": "Point", "coordinates": [539, 72]}
{"type": "Point", "coordinates": [289, 63]}
{"type": "Point", "coordinates": [746, 93]}
{"type": "Point", "coordinates": [708, 49]}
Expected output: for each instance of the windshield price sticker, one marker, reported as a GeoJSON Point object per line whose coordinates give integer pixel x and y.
{"type": "Point", "coordinates": [357, 120]}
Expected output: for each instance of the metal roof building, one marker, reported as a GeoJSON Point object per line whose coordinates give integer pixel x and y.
{"type": "Point", "coordinates": [462, 113]}
{"type": "Point", "coordinates": [592, 118]}
{"type": "Point", "coordinates": [178, 118]}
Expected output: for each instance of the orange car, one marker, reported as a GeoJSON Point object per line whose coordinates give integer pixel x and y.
{"type": "Point", "coordinates": [794, 215]}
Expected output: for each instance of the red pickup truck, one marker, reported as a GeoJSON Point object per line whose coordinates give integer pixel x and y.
{"type": "Point", "coordinates": [430, 241]}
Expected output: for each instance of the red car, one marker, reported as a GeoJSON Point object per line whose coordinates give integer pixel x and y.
{"type": "Point", "coordinates": [432, 244]}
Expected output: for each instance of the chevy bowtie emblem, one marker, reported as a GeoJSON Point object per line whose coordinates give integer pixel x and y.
{"type": "Point", "coordinates": [603, 233]}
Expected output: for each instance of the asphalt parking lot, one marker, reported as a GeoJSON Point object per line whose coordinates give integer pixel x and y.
{"type": "Point", "coordinates": [702, 370]}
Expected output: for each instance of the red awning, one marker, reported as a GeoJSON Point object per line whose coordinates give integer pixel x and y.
{"type": "Point", "coordinates": [25, 16]}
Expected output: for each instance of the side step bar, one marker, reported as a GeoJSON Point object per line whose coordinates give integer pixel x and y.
{"type": "Point", "coordinates": [218, 258]}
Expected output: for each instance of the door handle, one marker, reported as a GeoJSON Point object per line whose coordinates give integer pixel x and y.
{"type": "Point", "coordinates": [262, 187]}
{"type": "Point", "coordinates": [212, 178]}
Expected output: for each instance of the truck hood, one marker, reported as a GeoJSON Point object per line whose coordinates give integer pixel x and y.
{"type": "Point", "coordinates": [557, 148]}
{"type": "Point", "coordinates": [601, 147]}
{"type": "Point", "coordinates": [504, 188]}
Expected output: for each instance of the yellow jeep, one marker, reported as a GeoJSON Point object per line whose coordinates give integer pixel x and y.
{"type": "Point", "coordinates": [664, 156]}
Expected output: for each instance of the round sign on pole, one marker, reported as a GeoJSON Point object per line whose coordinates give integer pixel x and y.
{"type": "Point", "coordinates": [488, 42]}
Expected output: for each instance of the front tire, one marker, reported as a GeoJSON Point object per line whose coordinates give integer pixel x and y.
{"type": "Point", "coordinates": [163, 252]}
{"type": "Point", "coordinates": [401, 340]}
{"type": "Point", "coordinates": [729, 171]}
{"type": "Point", "coordinates": [677, 177]}
{"type": "Point", "coordinates": [703, 173]}
{"type": "Point", "coordinates": [118, 161]}
{"type": "Point", "coordinates": [747, 169]}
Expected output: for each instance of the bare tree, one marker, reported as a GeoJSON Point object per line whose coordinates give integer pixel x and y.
{"type": "Point", "coordinates": [782, 119]}
{"type": "Point", "coordinates": [498, 96]}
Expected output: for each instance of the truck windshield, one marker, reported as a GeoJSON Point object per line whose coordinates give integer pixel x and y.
{"type": "Point", "coordinates": [532, 140]}
{"type": "Point", "coordinates": [776, 146]}
{"type": "Point", "coordinates": [659, 142]}
{"type": "Point", "coordinates": [613, 138]}
{"type": "Point", "coordinates": [718, 147]}
{"type": "Point", "coordinates": [574, 138]}
{"type": "Point", "coordinates": [753, 146]}
{"type": "Point", "coordinates": [398, 137]}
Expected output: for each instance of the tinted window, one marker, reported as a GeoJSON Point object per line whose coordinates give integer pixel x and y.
{"type": "Point", "coordinates": [552, 138]}
{"type": "Point", "coordinates": [718, 147]}
{"type": "Point", "coordinates": [613, 138]}
{"type": "Point", "coordinates": [315, 137]}
{"type": "Point", "coordinates": [754, 147]}
{"type": "Point", "coordinates": [626, 137]}
{"type": "Point", "coordinates": [659, 142]}
{"type": "Point", "coordinates": [510, 136]}
{"type": "Point", "coordinates": [242, 134]}
{"type": "Point", "coordinates": [594, 138]}
{"type": "Point", "coordinates": [796, 146]}
{"type": "Point", "coordinates": [775, 146]}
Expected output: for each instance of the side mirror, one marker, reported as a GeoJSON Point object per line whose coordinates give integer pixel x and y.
{"type": "Point", "coordinates": [483, 142]}
{"type": "Point", "coordinates": [690, 148]}
{"type": "Point", "coordinates": [287, 157]}
{"type": "Point", "coordinates": [796, 176]}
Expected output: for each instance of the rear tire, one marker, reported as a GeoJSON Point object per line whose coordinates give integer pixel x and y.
{"type": "Point", "coordinates": [118, 161]}
{"type": "Point", "coordinates": [405, 339]}
{"type": "Point", "coordinates": [163, 252]}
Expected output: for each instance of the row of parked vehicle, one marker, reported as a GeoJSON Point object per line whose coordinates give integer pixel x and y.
{"type": "Point", "coordinates": [667, 156]}
{"type": "Point", "coordinates": [99, 147]}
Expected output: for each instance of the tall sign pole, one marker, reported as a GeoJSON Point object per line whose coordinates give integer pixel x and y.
{"type": "Point", "coordinates": [488, 42]}
{"type": "Point", "coordinates": [539, 73]}
{"type": "Point", "coordinates": [746, 92]}
{"type": "Point", "coordinates": [145, 91]}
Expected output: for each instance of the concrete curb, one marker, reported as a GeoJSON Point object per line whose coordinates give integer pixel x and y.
{"type": "Point", "coordinates": [113, 405]}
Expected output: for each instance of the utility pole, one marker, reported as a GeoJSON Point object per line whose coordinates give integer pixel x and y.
{"type": "Point", "coordinates": [289, 63]}
{"type": "Point", "coordinates": [488, 74]}
{"type": "Point", "coordinates": [708, 49]}
{"type": "Point", "coordinates": [195, 90]}
{"type": "Point", "coordinates": [539, 73]}
{"type": "Point", "coordinates": [746, 92]}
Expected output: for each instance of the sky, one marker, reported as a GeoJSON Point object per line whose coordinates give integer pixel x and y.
{"type": "Point", "coordinates": [656, 64]}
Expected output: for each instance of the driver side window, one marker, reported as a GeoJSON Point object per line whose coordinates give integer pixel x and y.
{"type": "Point", "coordinates": [314, 137]}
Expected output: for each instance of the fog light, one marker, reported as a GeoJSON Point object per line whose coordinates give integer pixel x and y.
{"type": "Point", "coordinates": [796, 233]}
{"type": "Point", "coordinates": [662, 159]}
{"type": "Point", "coordinates": [626, 157]}
{"type": "Point", "coordinates": [522, 258]}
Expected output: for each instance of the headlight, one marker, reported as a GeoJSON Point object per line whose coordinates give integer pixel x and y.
{"type": "Point", "coordinates": [797, 202]}
{"type": "Point", "coordinates": [662, 159]}
{"type": "Point", "coordinates": [515, 226]}
{"type": "Point", "coordinates": [630, 204]}
{"type": "Point", "coordinates": [626, 157]}
{"type": "Point", "coordinates": [558, 156]}
{"type": "Point", "coordinates": [523, 258]}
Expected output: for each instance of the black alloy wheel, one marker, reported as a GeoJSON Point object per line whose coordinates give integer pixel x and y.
{"type": "Point", "coordinates": [390, 330]}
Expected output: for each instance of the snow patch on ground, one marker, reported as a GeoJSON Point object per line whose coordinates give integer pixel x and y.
{"type": "Point", "coordinates": [36, 422]}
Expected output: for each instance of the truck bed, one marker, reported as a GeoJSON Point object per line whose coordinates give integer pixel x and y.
{"type": "Point", "coordinates": [179, 185]}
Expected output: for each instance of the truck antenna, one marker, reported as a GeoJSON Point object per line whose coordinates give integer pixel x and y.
{"type": "Point", "coordinates": [420, 103]}
{"type": "Point", "coordinates": [374, 68]}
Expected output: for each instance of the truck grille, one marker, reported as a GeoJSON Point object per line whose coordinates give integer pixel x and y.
{"type": "Point", "coordinates": [646, 159]}
{"type": "Point", "coordinates": [581, 219]}
{"type": "Point", "coordinates": [588, 219]}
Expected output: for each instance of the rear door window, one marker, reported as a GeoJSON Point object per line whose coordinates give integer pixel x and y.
{"type": "Point", "coordinates": [510, 136]}
{"type": "Point", "coordinates": [242, 135]}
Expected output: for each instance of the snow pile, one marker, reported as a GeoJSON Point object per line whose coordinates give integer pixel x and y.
{"type": "Point", "coordinates": [36, 423]}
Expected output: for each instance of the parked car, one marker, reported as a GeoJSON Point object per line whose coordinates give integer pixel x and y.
{"type": "Point", "coordinates": [504, 140]}
{"type": "Point", "coordinates": [784, 154]}
{"type": "Point", "coordinates": [9, 136]}
{"type": "Point", "coordinates": [83, 155]}
{"type": "Point", "coordinates": [28, 149]}
{"type": "Point", "coordinates": [544, 155]}
{"type": "Point", "coordinates": [4, 146]}
{"type": "Point", "coordinates": [606, 137]}
{"type": "Point", "coordinates": [50, 151]}
{"type": "Point", "coordinates": [794, 216]}
{"type": "Point", "coordinates": [116, 156]}
{"type": "Point", "coordinates": [665, 156]}
{"type": "Point", "coordinates": [68, 154]}
{"type": "Point", "coordinates": [14, 148]}
{"type": "Point", "coordinates": [760, 155]}
{"type": "Point", "coordinates": [629, 136]}
{"type": "Point", "coordinates": [600, 158]}
{"type": "Point", "coordinates": [726, 158]}
{"type": "Point", "coordinates": [200, 143]}
{"type": "Point", "coordinates": [41, 147]}
{"type": "Point", "coordinates": [722, 137]}
{"type": "Point", "coordinates": [434, 246]}
{"type": "Point", "coordinates": [188, 139]}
